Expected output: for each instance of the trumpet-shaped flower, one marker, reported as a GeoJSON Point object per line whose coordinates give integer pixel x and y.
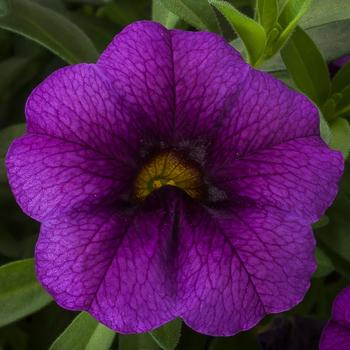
{"type": "Point", "coordinates": [172, 180]}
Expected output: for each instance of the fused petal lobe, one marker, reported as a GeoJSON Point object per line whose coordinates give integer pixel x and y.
{"type": "Point", "coordinates": [239, 265]}
{"type": "Point", "coordinates": [49, 175]}
{"type": "Point", "coordinates": [299, 176]}
{"type": "Point", "coordinates": [117, 265]}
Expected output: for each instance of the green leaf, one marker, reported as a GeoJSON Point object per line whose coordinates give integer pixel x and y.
{"type": "Point", "coordinates": [292, 12]}
{"type": "Point", "coordinates": [252, 33]}
{"type": "Point", "coordinates": [244, 340]}
{"type": "Point", "coordinates": [20, 293]}
{"type": "Point", "coordinates": [328, 108]}
{"type": "Point", "coordinates": [84, 333]}
{"type": "Point", "coordinates": [325, 130]}
{"type": "Point", "coordinates": [290, 15]}
{"type": "Point", "coordinates": [163, 15]}
{"type": "Point", "coordinates": [50, 29]}
{"type": "Point", "coordinates": [4, 7]}
{"type": "Point", "coordinates": [7, 136]}
{"type": "Point", "coordinates": [267, 13]}
{"type": "Point", "coordinates": [326, 11]}
{"type": "Point", "coordinates": [331, 39]}
{"type": "Point", "coordinates": [137, 342]}
{"type": "Point", "coordinates": [342, 79]}
{"type": "Point", "coordinates": [343, 102]}
{"type": "Point", "coordinates": [307, 66]}
{"type": "Point", "coordinates": [168, 336]}
{"type": "Point", "coordinates": [324, 264]}
{"type": "Point", "coordinates": [340, 129]}
{"type": "Point", "coordinates": [199, 14]}
{"type": "Point", "coordinates": [324, 221]}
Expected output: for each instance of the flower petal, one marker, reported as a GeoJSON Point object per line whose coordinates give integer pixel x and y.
{"type": "Point", "coordinates": [237, 266]}
{"type": "Point", "coordinates": [49, 175]}
{"type": "Point", "coordinates": [114, 264]}
{"type": "Point", "coordinates": [135, 270]}
{"type": "Point", "coordinates": [336, 335]}
{"type": "Point", "coordinates": [140, 66]}
{"type": "Point", "coordinates": [208, 78]}
{"type": "Point", "coordinates": [177, 81]}
{"type": "Point", "coordinates": [299, 176]}
{"type": "Point", "coordinates": [265, 113]}
{"type": "Point", "coordinates": [78, 104]}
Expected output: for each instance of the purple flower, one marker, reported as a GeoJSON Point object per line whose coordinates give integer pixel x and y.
{"type": "Point", "coordinates": [173, 180]}
{"type": "Point", "coordinates": [336, 335]}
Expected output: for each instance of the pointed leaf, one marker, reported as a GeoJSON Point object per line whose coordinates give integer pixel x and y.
{"type": "Point", "coordinates": [197, 13]}
{"type": "Point", "coordinates": [307, 66]}
{"type": "Point", "coordinates": [252, 33]}
{"type": "Point", "coordinates": [20, 293]}
{"type": "Point", "coordinates": [340, 129]}
{"type": "Point", "coordinates": [168, 336]}
{"type": "Point", "coordinates": [290, 15]}
{"type": "Point", "coordinates": [84, 333]}
{"type": "Point", "coordinates": [331, 39]}
{"type": "Point", "coordinates": [50, 29]}
{"type": "Point", "coordinates": [267, 13]}
{"type": "Point", "coordinates": [325, 130]}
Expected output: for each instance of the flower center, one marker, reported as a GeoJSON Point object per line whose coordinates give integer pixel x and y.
{"type": "Point", "coordinates": [168, 168]}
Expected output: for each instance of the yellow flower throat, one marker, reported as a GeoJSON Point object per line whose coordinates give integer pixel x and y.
{"type": "Point", "coordinates": [168, 169]}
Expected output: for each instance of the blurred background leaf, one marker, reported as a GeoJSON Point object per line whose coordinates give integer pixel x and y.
{"type": "Point", "coordinates": [84, 333]}
{"type": "Point", "coordinates": [50, 29]}
{"type": "Point", "coordinates": [168, 336]}
{"type": "Point", "coordinates": [199, 14]}
{"type": "Point", "coordinates": [20, 293]}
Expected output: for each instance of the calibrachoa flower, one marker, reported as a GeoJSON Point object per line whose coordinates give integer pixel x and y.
{"type": "Point", "coordinates": [336, 335]}
{"type": "Point", "coordinates": [172, 180]}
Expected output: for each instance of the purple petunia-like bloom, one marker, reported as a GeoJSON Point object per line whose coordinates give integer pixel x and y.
{"type": "Point", "coordinates": [173, 180]}
{"type": "Point", "coordinates": [336, 335]}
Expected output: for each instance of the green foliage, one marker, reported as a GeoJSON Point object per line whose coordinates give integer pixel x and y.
{"type": "Point", "coordinates": [342, 79]}
{"type": "Point", "coordinates": [252, 33]}
{"type": "Point", "coordinates": [291, 14]}
{"type": "Point", "coordinates": [49, 29]}
{"type": "Point", "coordinates": [162, 15]}
{"type": "Point", "coordinates": [267, 13]}
{"type": "Point", "coordinates": [307, 66]}
{"type": "Point", "coordinates": [323, 12]}
{"type": "Point", "coordinates": [324, 264]}
{"type": "Point", "coordinates": [199, 14]}
{"type": "Point", "coordinates": [340, 141]}
{"type": "Point", "coordinates": [168, 336]}
{"type": "Point", "coordinates": [137, 342]}
{"type": "Point", "coordinates": [20, 293]}
{"type": "Point", "coordinates": [84, 333]}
